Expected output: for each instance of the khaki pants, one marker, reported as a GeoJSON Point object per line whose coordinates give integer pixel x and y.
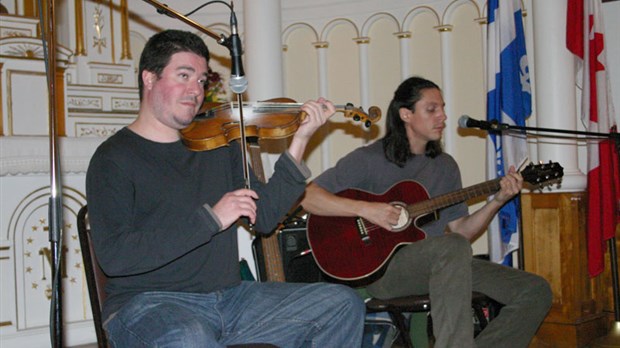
{"type": "Point", "coordinates": [444, 268]}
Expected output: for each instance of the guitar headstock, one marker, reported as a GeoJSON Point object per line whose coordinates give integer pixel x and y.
{"type": "Point", "coordinates": [358, 114]}
{"type": "Point", "coordinates": [542, 174]}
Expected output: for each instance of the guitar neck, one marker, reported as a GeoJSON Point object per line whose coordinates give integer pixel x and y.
{"type": "Point", "coordinates": [425, 207]}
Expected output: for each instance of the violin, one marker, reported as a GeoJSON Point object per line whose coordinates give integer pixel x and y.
{"type": "Point", "coordinates": [217, 124]}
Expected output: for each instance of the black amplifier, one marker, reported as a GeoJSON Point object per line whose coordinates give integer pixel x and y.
{"type": "Point", "coordinates": [299, 265]}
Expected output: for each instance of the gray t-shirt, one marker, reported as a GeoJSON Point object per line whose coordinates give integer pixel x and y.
{"type": "Point", "coordinates": [367, 169]}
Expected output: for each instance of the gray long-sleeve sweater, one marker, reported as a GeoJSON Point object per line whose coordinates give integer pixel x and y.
{"type": "Point", "coordinates": [151, 220]}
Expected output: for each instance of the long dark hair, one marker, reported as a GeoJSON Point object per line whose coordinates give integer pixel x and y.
{"type": "Point", "coordinates": [395, 143]}
{"type": "Point", "coordinates": [161, 46]}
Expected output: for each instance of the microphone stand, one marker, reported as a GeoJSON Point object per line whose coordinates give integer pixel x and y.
{"type": "Point", "coordinates": [613, 337]}
{"type": "Point", "coordinates": [164, 9]}
{"type": "Point", "coordinates": [55, 216]}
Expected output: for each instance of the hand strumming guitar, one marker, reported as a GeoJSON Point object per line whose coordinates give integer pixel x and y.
{"type": "Point", "coordinates": [379, 213]}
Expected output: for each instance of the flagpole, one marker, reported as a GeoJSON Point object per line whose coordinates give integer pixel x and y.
{"type": "Point", "coordinates": [613, 336]}
{"type": "Point", "coordinates": [586, 40]}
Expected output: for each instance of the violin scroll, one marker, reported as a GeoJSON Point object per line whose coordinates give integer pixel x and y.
{"type": "Point", "coordinates": [358, 114]}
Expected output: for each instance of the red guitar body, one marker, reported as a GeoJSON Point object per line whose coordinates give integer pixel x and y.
{"type": "Point", "coordinates": [345, 252]}
{"type": "Point", "coordinates": [354, 250]}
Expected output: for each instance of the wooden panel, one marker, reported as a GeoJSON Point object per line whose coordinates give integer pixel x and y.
{"type": "Point", "coordinates": [607, 290]}
{"type": "Point", "coordinates": [554, 243]}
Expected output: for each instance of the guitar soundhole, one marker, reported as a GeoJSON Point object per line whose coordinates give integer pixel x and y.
{"type": "Point", "coordinates": [404, 219]}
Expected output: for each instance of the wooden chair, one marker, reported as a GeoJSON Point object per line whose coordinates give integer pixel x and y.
{"type": "Point", "coordinates": [96, 280]}
{"type": "Point", "coordinates": [397, 307]}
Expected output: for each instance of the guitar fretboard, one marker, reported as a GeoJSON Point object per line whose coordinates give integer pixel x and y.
{"type": "Point", "coordinates": [425, 207]}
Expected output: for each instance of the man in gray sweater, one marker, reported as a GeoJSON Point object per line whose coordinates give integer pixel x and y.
{"type": "Point", "coordinates": [163, 225]}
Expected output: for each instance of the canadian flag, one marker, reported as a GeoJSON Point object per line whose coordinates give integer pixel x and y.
{"type": "Point", "coordinates": [584, 38]}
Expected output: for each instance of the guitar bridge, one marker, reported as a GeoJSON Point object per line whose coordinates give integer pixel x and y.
{"type": "Point", "coordinates": [362, 231]}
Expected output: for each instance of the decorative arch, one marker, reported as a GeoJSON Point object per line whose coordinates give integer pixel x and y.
{"type": "Point", "coordinates": [297, 26]}
{"type": "Point", "coordinates": [336, 22]}
{"type": "Point", "coordinates": [31, 48]}
{"type": "Point", "coordinates": [27, 231]}
{"type": "Point", "coordinates": [449, 11]}
{"type": "Point", "coordinates": [376, 17]}
{"type": "Point", "coordinates": [417, 11]}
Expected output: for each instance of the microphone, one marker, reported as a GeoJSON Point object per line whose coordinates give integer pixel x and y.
{"type": "Point", "coordinates": [238, 83]}
{"type": "Point", "coordinates": [467, 122]}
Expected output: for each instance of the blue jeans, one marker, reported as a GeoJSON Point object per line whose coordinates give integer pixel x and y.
{"type": "Point", "coordinates": [284, 314]}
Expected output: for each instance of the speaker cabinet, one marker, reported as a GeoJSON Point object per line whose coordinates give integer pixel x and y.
{"type": "Point", "coordinates": [297, 260]}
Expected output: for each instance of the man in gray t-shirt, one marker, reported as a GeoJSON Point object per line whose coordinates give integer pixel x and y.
{"type": "Point", "coordinates": [441, 263]}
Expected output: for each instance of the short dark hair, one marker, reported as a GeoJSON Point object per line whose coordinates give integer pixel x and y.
{"type": "Point", "coordinates": [161, 46]}
{"type": "Point", "coordinates": [395, 143]}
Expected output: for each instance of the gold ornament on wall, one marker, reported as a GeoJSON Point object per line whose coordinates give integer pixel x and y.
{"type": "Point", "coordinates": [38, 257]}
{"type": "Point", "coordinates": [98, 40]}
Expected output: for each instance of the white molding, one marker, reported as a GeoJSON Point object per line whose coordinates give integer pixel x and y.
{"type": "Point", "coordinates": [29, 155]}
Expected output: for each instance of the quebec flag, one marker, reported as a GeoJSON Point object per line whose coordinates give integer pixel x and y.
{"type": "Point", "coordinates": [508, 101]}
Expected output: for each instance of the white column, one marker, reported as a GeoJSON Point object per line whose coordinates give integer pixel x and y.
{"type": "Point", "coordinates": [403, 42]}
{"type": "Point", "coordinates": [262, 60]}
{"type": "Point", "coordinates": [446, 78]}
{"type": "Point", "coordinates": [321, 50]}
{"type": "Point", "coordinates": [528, 27]}
{"type": "Point", "coordinates": [362, 44]}
{"type": "Point", "coordinates": [483, 32]}
{"type": "Point", "coordinates": [263, 48]}
{"type": "Point", "coordinates": [555, 90]}
{"type": "Point", "coordinates": [284, 62]}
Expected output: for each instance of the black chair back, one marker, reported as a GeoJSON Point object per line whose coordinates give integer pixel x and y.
{"type": "Point", "coordinates": [95, 278]}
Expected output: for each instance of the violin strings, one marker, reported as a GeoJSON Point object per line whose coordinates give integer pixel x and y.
{"type": "Point", "coordinates": [272, 105]}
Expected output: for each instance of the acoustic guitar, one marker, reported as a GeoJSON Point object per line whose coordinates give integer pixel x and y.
{"type": "Point", "coordinates": [352, 249]}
